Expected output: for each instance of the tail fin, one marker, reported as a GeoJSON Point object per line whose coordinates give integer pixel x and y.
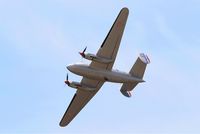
{"type": "Point", "coordinates": [137, 70]}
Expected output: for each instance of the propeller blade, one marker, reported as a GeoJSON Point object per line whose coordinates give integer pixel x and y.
{"type": "Point", "coordinates": [67, 77]}
{"type": "Point", "coordinates": [84, 49]}
{"type": "Point", "coordinates": [83, 52]}
{"type": "Point", "coordinates": [67, 81]}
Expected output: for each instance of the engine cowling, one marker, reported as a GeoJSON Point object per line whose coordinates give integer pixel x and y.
{"type": "Point", "coordinates": [93, 57]}
{"type": "Point", "coordinates": [79, 86]}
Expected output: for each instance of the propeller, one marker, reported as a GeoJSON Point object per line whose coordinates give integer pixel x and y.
{"type": "Point", "coordinates": [83, 52]}
{"type": "Point", "coordinates": [67, 81]}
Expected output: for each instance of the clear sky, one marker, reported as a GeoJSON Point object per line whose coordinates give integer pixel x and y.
{"type": "Point", "coordinates": [39, 38]}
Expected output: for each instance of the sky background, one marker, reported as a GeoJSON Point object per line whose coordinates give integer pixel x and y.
{"type": "Point", "coordinates": [39, 38]}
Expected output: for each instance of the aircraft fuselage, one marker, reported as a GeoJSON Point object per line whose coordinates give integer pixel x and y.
{"type": "Point", "coordinates": [102, 75]}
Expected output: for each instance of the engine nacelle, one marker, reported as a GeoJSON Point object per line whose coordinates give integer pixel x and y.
{"type": "Point", "coordinates": [79, 86]}
{"type": "Point", "coordinates": [93, 57]}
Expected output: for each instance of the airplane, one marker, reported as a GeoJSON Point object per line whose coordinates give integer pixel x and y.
{"type": "Point", "coordinates": [100, 70]}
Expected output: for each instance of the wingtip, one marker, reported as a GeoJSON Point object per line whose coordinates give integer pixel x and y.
{"type": "Point", "coordinates": [125, 9]}
{"type": "Point", "coordinates": [62, 124]}
{"type": "Point", "coordinates": [126, 93]}
{"type": "Point", "coordinates": [144, 58]}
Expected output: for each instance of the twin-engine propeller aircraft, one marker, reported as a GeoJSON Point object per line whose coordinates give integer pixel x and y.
{"type": "Point", "coordinates": [100, 70]}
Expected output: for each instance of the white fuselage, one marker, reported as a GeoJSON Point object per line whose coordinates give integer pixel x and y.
{"type": "Point", "coordinates": [102, 75]}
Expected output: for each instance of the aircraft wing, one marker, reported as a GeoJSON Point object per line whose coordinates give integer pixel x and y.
{"type": "Point", "coordinates": [110, 45]}
{"type": "Point", "coordinates": [108, 50]}
{"type": "Point", "coordinates": [80, 99]}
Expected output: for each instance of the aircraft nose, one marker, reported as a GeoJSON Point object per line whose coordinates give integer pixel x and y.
{"type": "Point", "coordinates": [69, 67]}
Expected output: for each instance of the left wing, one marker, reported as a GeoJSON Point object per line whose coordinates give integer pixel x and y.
{"type": "Point", "coordinates": [80, 99]}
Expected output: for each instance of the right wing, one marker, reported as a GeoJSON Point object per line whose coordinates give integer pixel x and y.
{"type": "Point", "coordinates": [80, 99]}
{"type": "Point", "coordinates": [110, 45]}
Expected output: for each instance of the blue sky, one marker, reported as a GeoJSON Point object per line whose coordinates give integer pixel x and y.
{"type": "Point", "coordinates": [39, 38]}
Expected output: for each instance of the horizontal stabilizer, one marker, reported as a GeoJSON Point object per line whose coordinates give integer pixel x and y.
{"type": "Point", "coordinates": [139, 67]}
{"type": "Point", "coordinates": [127, 87]}
{"type": "Point", "coordinates": [126, 93]}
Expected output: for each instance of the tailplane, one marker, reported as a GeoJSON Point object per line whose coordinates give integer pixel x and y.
{"type": "Point", "coordinates": [137, 71]}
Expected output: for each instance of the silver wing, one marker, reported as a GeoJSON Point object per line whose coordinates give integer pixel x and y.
{"type": "Point", "coordinates": [80, 99]}
{"type": "Point", "coordinates": [109, 49]}
{"type": "Point", "coordinates": [110, 45]}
